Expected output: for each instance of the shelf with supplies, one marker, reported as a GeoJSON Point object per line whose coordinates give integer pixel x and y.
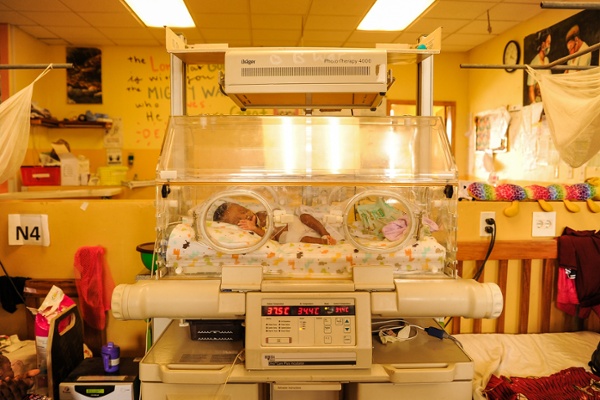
{"type": "Point", "coordinates": [54, 123]}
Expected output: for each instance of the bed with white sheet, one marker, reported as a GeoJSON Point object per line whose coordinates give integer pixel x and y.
{"type": "Point", "coordinates": [526, 355]}
{"type": "Point", "coordinates": [548, 348]}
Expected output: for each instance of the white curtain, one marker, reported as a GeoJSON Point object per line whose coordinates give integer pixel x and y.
{"type": "Point", "coordinates": [14, 129]}
{"type": "Point", "coordinates": [572, 106]}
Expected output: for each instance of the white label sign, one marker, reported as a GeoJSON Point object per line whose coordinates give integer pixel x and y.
{"type": "Point", "coordinates": [28, 229]}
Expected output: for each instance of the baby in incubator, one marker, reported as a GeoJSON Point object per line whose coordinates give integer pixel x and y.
{"type": "Point", "coordinates": [305, 228]}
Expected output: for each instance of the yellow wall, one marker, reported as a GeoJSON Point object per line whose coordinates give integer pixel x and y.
{"type": "Point", "coordinates": [120, 225]}
{"type": "Point", "coordinates": [117, 225]}
{"type": "Point", "coordinates": [519, 226]}
{"type": "Point", "coordinates": [489, 89]}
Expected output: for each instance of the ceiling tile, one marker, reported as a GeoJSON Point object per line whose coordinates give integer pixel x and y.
{"type": "Point", "coordinates": [38, 32]}
{"type": "Point", "coordinates": [262, 21]}
{"type": "Point", "coordinates": [427, 25]}
{"type": "Point", "coordinates": [222, 35]}
{"type": "Point", "coordinates": [328, 36]}
{"type": "Point", "coordinates": [130, 33]}
{"type": "Point", "coordinates": [137, 42]}
{"type": "Point", "coordinates": [57, 19]}
{"type": "Point", "coordinates": [459, 9]}
{"type": "Point", "coordinates": [239, 21]}
{"type": "Point", "coordinates": [218, 7]}
{"type": "Point", "coordinates": [481, 27]}
{"type": "Point", "coordinates": [372, 37]}
{"type": "Point", "coordinates": [280, 7]}
{"type": "Point", "coordinates": [265, 22]}
{"type": "Point", "coordinates": [264, 35]}
{"type": "Point", "coordinates": [341, 7]}
{"type": "Point", "coordinates": [109, 19]}
{"type": "Point", "coordinates": [331, 22]}
{"type": "Point", "coordinates": [514, 12]}
{"type": "Point", "coordinates": [15, 18]}
{"type": "Point", "coordinates": [85, 6]}
{"type": "Point", "coordinates": [36, 5]}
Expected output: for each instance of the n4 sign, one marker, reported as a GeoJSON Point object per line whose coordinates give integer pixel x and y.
{"type": "Point", "coordinates": [30, 229]}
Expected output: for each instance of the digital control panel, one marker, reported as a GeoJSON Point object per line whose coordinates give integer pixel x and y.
{"type": "Point", "coordinates": [307, 330]}
{"type": "Point", "coordinates": [311, 322]}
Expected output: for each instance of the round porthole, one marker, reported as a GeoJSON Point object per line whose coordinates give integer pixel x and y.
{"type": "Point", "coordinates": [378, 221]}
{"type": "Point", "coordinates": [220, 215]}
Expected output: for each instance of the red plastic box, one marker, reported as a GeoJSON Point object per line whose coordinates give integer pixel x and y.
{"type": "Point", "coordinates": [34, 175]}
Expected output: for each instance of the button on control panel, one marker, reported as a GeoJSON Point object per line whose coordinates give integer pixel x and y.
{"type": "Point", "coordinates": [309, 322]}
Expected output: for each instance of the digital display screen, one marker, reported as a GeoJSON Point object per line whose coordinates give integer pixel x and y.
{"type": "Point", "coordinates": [94, 390]}
{"type": "Point", "coordinates": [300, 311]}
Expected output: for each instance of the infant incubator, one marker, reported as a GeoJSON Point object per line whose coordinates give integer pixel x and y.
{"type": "Point", "coordinates": [266, 306]}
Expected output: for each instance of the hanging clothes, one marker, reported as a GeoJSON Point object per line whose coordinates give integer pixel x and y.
{"type": "Point", "coordinates": [579, 251]}
{"type": "Point", "coordinates": [9, 298]}
{"type": "Point", "coordinates": [94, 285]}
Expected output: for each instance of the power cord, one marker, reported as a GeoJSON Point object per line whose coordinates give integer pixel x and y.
{"type": "Point", "coordinates": [239, 357]}
{"type": "Point", "coordinates": [387, 331]}
{"type": "Point", "coordinates": [491, 229]}
{"type": "Point", "coordinates": [395, 330]}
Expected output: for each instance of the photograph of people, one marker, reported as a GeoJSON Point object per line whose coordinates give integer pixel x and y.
{"type": "Point", "coordinates": [541, 58]}
{"type": "Point", "coordinates": [575, 44]}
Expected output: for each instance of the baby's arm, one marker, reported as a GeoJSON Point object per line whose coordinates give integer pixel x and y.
{"type": "Point", "coordinates": [316, 226]}
{"type": "Point", "coordinates": [250, 225]}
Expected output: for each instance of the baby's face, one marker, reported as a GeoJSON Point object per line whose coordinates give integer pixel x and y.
{"type": "Point", "coordinates": [235, 213]}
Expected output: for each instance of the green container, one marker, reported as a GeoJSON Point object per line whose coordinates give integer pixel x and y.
{"type": "Point", "coordinates": [147, 252]}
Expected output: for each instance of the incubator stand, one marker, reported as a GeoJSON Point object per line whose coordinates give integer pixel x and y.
{"type": "Point", "coordinates": [261, 312]}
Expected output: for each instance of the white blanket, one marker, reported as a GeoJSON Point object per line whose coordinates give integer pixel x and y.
{"type": "Point", "coordinates": [21, 353]}
{"type": "Point", "coordinates": [526, 354]}
{"type": "Point", "coordinates": [296, 260]}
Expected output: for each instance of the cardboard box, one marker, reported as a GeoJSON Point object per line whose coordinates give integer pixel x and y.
{"type": "Point", "coordinates": [37, 175]}
{"type": "Point", "coordinates": [69, 166]}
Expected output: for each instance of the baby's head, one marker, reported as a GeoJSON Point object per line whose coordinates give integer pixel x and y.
{"type": "Point", "coordinates": [232, 213]}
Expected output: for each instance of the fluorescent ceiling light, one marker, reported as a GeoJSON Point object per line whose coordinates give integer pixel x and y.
{"type": "Point", "coordinates": [393, 15]}
{"type": "Point", "coordinates": [159, 13]}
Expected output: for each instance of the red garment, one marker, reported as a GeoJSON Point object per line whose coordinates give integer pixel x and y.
{"type": "Point", "coordinates": [569, 384]}
{"type": "Point", "coordinates": [580, 252]}
{"type": "Point", "coordinates": [566, 295]}
{"type": "Point", "coordinates": [94, 285]}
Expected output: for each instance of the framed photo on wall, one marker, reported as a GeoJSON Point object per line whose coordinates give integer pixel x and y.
{"type": "Point", "coordinates": [566, 37]}
{"type": "Point", "coordinates": [84, 80]}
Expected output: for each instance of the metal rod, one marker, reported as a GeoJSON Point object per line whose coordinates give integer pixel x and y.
{"type": "Point", "coordinates": [36, 66]}
{"type": "Point", "coordinates": [571, 5]}
{"type": "Point", "coordinates": [574, 55]}
{"type": "Point", "coordinates": [554, 65]}
{"type": "Point", "coordinates": [520, 66]}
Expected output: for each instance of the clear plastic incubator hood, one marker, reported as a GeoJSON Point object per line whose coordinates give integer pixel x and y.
{"type": "Point", "coordinates": [383, 189]}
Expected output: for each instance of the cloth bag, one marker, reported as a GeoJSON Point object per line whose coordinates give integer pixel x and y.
{"type": "Point", "coordinates": [572, 107]}
{"type": "Point", "coordinates": [15, 115]}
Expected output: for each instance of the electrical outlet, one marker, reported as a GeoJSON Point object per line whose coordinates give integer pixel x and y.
{"type": "Point", "coordinates": [482, 224]}
{"type": "Point", "coordinates": [543, 224]}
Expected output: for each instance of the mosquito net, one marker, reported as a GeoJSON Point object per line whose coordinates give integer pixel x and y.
{"type": "Point", "coordinates": [14, 129]}
{"type": "Point", "coordinates": [572, 106]}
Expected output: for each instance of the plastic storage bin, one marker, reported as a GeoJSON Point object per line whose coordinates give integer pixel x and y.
{"type": "Point", "coordinates": [112, 175]}
{"type": "Point", "coordinates": [33, 175]}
